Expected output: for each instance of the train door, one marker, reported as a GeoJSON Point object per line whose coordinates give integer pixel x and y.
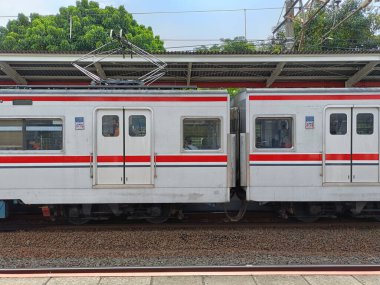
{"type": "Point", "coordinates": [138, 147]}
{"type": "Point", "coordinates": [365, 145]}
{"type": "Point", "coordinates": [109, 147]}
{"type": "Point", "coordinates": [123, 150]}
{"type": "Point", "coordinates": [351, 145]}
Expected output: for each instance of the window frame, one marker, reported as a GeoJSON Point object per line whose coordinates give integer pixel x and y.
{"type": "Point", "coordinates": [219, 150]}
{"type": "Point", "coordinates": [40, 151]}
{"type": "Point", "coordinates": [272, 116]}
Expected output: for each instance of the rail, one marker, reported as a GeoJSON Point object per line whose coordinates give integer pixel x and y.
{"type": "Point", "coordinates": [199, 270]}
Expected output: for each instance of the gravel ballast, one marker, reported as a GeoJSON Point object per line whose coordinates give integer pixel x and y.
{"type": "Point", "coordinates": [192, 245]}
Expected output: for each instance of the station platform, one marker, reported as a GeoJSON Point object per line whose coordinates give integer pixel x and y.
{"type": "Point", "coordinates": [198, 280]}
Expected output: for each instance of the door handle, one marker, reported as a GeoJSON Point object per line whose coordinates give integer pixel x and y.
{"type": "Point", "coordinates": [155, 165]}
{"type": "Point", "coordinates": [91, 165]}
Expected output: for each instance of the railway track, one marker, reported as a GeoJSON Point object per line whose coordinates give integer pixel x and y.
{"type": "Point", "coordinates": [37, 222]}
{"type": "Point", "coordinates": [197, 270]}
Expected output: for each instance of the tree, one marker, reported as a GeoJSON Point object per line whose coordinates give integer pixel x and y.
{"type": "Point", "coordinates": [90, 28]}
{"type": "Point", "coordinates": [347, 27]}
{"type": "Point", "coordinates": [237, 45]}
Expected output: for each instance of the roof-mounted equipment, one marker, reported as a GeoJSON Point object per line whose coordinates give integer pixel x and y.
{"type": "Point", "coordinates": [102, 52]}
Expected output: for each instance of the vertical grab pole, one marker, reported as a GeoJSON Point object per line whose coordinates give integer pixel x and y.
{"type": "Point", "coordinates": [155, 165]}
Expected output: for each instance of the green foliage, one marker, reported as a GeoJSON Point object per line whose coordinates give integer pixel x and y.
{"type": "Point", "coordinates": [357, 32]}
{"type": "Point", "coordinates": [237, 45]}
{"type": "Point", "coordinates": [233, 91]}
{"type": "Point", "coordinates": [91, 26]}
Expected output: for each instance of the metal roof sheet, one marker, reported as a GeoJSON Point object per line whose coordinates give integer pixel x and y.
{"type": "Point", "coordinates": [256, 69]}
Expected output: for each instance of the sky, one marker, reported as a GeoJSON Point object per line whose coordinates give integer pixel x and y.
{"type": "Point", "coordinates": [178, 30]}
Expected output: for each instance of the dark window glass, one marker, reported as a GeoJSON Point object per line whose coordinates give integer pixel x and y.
{"type": "Point", "coordinates": [31, 134]}
{"type": "Point", "coordinates": [338, 124]}
{"type": "Point", "coordinates": [274, 132]}
{"type": "Point", "coordinates": [110, 126]}
{"type": "Point", "coordinates": [137, 126]}
{"type": "Point", "coordinates": [201, 134]}
{"type": "Point", "coordinates": [364, 124]}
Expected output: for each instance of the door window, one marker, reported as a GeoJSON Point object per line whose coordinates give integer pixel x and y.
{"type": "Point", "coordinates": [364, 124]}
{"type": "Point", "coordinates": [338, 124]}
{"type": "Point", "coordinates": [137, 126]}
{"type": "Point", "coordinates": [110, 126]}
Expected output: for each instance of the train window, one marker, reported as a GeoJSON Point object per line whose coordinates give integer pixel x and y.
{"type": "Point", "coordinates": [31, 134]}
{"type": "Point", "coordinates": [11, 134]}
{"type": "Point", "coordinates": [201, 134]}
{"type": "Point", "coordinates": [338, 124]}
{"type": "Point", "coordinates": [110, 126]}
{"type": "Point", "coordinates": [274, 132]}
{"type": "Point", "coordinates": [364, 124]}
{"type": "Point", "coordinates": [137, 125]}
{"type": "Point", "coordinates": [43, 134]}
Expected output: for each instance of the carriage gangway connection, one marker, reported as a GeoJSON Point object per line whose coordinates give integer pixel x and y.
{"type": "Point", "coordinates": [223, 275]}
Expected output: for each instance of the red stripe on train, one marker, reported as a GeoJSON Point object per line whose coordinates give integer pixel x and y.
{"type": "Point", "coordinates": [365, 156]}
{"type": "Point", "coordinates": [116, 98]}
{"type": "Point", "coordinates": [192, 158]}
{"type": "Point", "coordinates": [112, 158]}
{"type": "Point", "coordinates": [312, 97]}
{"type": "Point", "coordinates": [44, 159]}
{"type": "Point", "coordinates": [312, 157]}
{"type": "Point", "coordinates": [286, 157]}
{"type": "Point", "coordinates": [355, 156]}
{"type": "Point", "coordinates": [339, 156]}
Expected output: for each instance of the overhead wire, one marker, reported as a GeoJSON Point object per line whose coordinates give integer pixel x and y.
{"type": "Point", "coordinates": [177, 12]}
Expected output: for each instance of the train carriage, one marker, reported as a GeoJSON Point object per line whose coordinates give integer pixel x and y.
{"type": "Point", "coordinates": [92, 146]}
{"type": "Point", "coordinates": [311, 146]}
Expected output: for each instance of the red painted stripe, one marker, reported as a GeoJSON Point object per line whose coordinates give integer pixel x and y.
{"type": "Point", "coordinates": [338, 156]}
{"type": "Point", "coordinates": [192, 158]}
{"type": "Point", "coordinates": [119, 158]}
{"type": "Point", "coordinates": [112, 158]}
{"type": "Point", "coordinates": [313, 97]}
{"type": "Point", "coordinates": [116, 98]}
{"type": "Point", "coordinates": [286, 157]}
{"type": "Point", "coordinates": [137, 158]}
{"type": "Point", "coordinates": [365, 156]}
{"type": "Point", "coordinates": [312, 157]}
{"type": "Point", "coordinates": [44, 159]}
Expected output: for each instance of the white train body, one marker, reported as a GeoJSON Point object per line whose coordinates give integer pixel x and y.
{"type": "Point", "coordinates": [114, 146]}
{"type": "Point", "coordinates": [85, 147]}
{"type": "Point", "coordinates": [310, 145]}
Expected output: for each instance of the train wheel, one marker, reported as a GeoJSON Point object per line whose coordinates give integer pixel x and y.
{"type": "Point", "coordinates": [77, 221]}
{"type": "Point", "coordinates": [307, 212]}
{"type": "Point", "coordinates": [74, 215]}
{"type": "Point", "coordinates": [159, 214]}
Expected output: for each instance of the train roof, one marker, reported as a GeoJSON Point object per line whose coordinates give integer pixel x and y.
{"type": "Point", "coordinates": [108, 90]}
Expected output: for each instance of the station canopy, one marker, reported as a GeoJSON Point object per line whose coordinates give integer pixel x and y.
{"type": "Point", "coordinates": [204, 70]}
